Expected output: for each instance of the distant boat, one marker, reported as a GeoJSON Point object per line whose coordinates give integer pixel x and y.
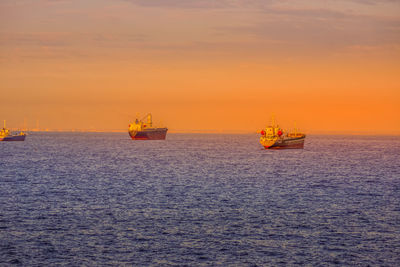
{"type": "Point", "coordinates": [273, 137]}
{"type": "Point", "coordinates": [140, 130]}
{"type": "Point", "coordinates": [6, 135]}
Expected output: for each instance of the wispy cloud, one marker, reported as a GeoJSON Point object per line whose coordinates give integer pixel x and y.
{"type": "Point", "coordinates": [237, 26]}
{"type": "Point", "coordinates": [211, 4]}
{"type": "Point", "coordinates": [184, 3]}
{"type": "Point", "coordinates": [36, 39]}
{"type": "Point", "coordinates": [61, 39]}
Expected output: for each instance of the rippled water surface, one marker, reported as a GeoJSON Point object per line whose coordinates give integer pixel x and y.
{"type": "Point", "coordinates": [196, 199]}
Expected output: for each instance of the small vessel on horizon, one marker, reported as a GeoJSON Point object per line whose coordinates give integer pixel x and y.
{"type": "Point", "coordinates": [140, 130]}
{"type": "Point", "coordinates": [6, 135]}
{"type": "Point", "coordinates": [274, 137]}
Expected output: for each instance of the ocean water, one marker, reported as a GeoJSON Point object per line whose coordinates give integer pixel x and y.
{"type": "Point", "coordinates": [96, 199]}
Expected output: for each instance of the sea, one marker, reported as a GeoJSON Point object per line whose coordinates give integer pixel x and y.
{"type": "Point", "coordinates": [101, 199]}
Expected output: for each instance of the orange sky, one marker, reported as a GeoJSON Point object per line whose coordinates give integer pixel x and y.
{"type": "Point", "coordinates": [219, 66]}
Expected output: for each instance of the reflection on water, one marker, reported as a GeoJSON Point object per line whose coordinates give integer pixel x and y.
{"type": "Point", "coordinates": [197, 199]}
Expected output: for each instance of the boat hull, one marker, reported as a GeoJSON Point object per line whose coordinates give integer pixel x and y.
{"type": "Point", "coordinates": [13, 138]}
{"type": "Point", "coordinates": [149, 134]}
{"type": "Point", "coordinates": [288, 143]}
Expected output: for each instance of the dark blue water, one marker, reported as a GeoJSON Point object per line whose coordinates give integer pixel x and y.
{"type": "Point", "coordinates": [101, 199]}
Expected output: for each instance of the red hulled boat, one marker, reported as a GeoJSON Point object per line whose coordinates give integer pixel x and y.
{"type": "Point", "coordinates": [6, 135]}
{"type": "Point", "coordinates": [140, 130]}
{"type": "Point", "coordinates": [274, 137]}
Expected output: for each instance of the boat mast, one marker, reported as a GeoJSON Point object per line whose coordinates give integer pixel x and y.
{"type": "Point", "coordinates": [273, 120]}
{"type": "Point", "coordinates": [149, 120]}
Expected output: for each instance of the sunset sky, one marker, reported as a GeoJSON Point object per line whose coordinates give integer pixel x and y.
{"type": "Point", "coordinates": [216, 66]}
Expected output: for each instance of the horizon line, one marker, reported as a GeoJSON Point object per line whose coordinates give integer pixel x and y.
{"type": "Point", "coordinates": [361, 133]}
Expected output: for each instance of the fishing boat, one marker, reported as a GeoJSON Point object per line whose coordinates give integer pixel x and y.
{"type": "Point", "coordinates": [274, 137]}
{"type": "Point", "coordinates": [144, 130]}
{"type": "Point", "coordinates": [6, 135]}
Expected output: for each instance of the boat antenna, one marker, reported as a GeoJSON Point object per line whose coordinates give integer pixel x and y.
{"type": "Point", "coordinates": [4, 124]}
{"type": "Point", "coordinates": [149, 120]}
{"type": "Point", "coordinates": [273, 120]}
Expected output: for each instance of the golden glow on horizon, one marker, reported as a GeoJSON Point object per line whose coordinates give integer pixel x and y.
{"type": "Point", "coordinates": [76, 65]}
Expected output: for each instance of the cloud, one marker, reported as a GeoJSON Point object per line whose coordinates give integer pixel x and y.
{"type": "Point", "coordinates": [63, 39]}
{"type": "Point", "coordinates": [57, 45]}
{"type": "Point", "coordinates": [319, 28]}
{"type": "Point", "coordinates": [255, 4]}
{"type": "Point", "coordinates": [183, 3]}
{"type": "Point", "coordinates": [374, 2]}
{"type": "Point", "coordinates": [35, 39]}
{"type": "Point", "coordinates": [269, 27]}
